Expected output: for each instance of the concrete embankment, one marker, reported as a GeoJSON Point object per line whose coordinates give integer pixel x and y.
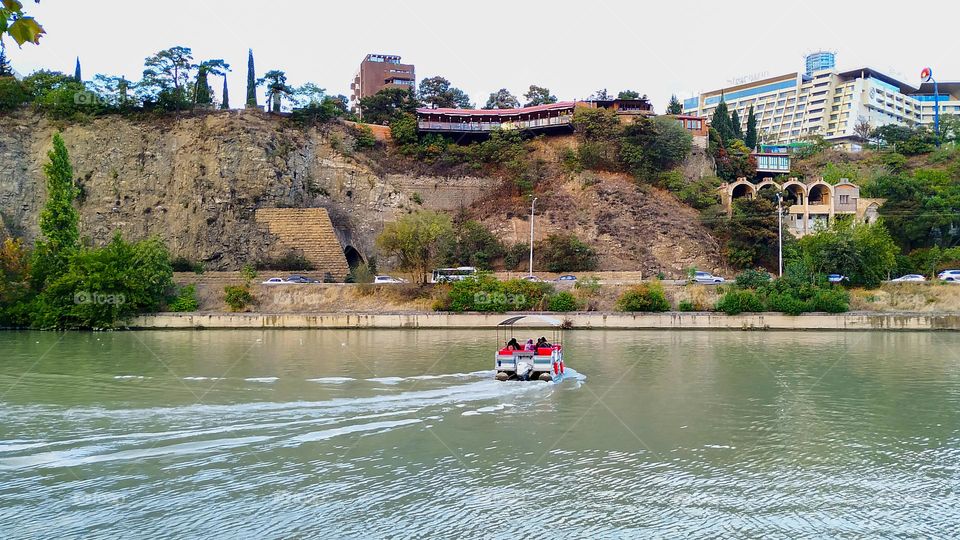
{"type": "Point", "coordinates": [592, 320]}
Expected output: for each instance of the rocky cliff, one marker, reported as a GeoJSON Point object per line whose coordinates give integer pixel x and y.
{"type": "Point", "coordinates": [197, 181]}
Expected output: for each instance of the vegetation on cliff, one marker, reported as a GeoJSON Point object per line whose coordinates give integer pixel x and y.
{"type": "Point", "coordinates": [63, 283]}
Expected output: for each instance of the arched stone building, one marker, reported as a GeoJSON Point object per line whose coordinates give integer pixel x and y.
{"type": "Point", "coordinates": [808, 205]}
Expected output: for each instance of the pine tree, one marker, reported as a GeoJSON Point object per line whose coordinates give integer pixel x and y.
{"type": "Point", "coordinates": [76, 72]}
{"type": "Point", "coordinates": [721, 122]}
{"type": "Point", "coordinates": [251, 82]}
{"type": "Point", "coordinates": [751, 138]}
{"type": "Point", "coordinates": [226, 96]}
{"type": "Point", "coordinates": [736, 126]}
{"type": "Point", "coordinates": [674, 107]}
{"type": "Point", "coordinates": [6, 70]}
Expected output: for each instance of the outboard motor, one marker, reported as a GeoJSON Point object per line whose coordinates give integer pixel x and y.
{"type": "Point", "coordinates": [524, 370]}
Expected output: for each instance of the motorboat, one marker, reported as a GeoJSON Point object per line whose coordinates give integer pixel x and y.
{"type": "Point", "coordinates": [544, 363]}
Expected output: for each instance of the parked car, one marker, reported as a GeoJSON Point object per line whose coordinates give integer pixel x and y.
{"type": "Point", "coordinates": [910, 277]}
{"type": "Point", "coordinates": [387, 279]}
{"type": "Point", "coordinates": [567, 277]}
{"type": "Point", "coordinates": [297, 278]}
{"type": "Point", "coordinates": [706, 277]}
{"type": "Point", "coordinates": [949, 275]}
{"type": "Point", "coordinates": [531, 278]}
{"type": "Point", "coordinates": [837, 278]}
{"type": "Point", "coordinates": [275, 281]}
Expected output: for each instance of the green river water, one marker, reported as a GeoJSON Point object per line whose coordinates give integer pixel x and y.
{"type": "Point", "coordinates": [400, 434]}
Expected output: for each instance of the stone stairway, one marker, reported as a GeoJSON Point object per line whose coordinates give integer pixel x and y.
{"type": "Point", "coordinates": [310, 231]}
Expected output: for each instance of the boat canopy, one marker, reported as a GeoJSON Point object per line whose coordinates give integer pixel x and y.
{"type": "Point", "coordinates": [549, 320]}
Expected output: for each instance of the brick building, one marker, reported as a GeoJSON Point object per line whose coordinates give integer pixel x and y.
{"type": "Point", "coordinates": [379, 71]}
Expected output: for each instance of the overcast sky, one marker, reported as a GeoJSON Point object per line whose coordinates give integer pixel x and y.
{"type": "Point", "coordinates": [573, 48]}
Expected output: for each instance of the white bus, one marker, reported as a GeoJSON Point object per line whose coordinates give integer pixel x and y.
{"type": "Point", "coordinates": [446, 275]}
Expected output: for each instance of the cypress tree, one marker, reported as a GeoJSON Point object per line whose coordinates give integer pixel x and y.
{"type": "Point", "coordinates": [721, 122]}
{"type": "Point", "coordinates": [59, 220]}
{"type": "Point", "coordinates": [736, 126]}
{"type": "Point", "coordinates": [251, 82]}
{"type": "Point", "coordinates": [76, 72]}
{"type": "Point", "coordinates": [751, 138]}
{"type": "Point", "coordinates": [226, 95]}
{"type": "Point", "coordinates": [202, 93]}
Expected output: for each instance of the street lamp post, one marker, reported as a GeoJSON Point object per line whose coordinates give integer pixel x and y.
{"type": "Point", "coordinates": [779, 236]}
{"type": "Point", "coordinates": [532, 206]}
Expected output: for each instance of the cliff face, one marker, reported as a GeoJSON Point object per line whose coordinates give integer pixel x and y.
{"type": "Point", "coordinates": [196, 182]}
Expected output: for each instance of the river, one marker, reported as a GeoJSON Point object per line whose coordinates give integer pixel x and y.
{"type": "Point", "coordinates": [383, 433]}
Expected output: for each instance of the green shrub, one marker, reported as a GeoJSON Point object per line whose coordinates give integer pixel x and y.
{"type": "Point", "coordinates": [752, 279]}
{"type": "Point", "coordinates": [364, 137]}
{"type": "Point", "coordinates": [238, 297]}
{"type": "Point", "coordinates": [361, 274]}
{"type": "Point", "coordinates": [564, 301]}
{"type": "Point", "coordinates": [514, 255]}
{"type": "Point", "coordinates": [291, 261]}
{"type": "Point", "coordinates": [486, 294]}
{"type": "Point", "coordinates": [12, 94]}
{"type": "Point", "coordinates": [686, 305]}
{"type": "Point", "coordinates": [644, 297]}
{"type": "Point", "coordinates": [249, 272]}
{"type": "Point", "coordinates": [787, 303]}
{"type": "Point", "coordinates": [186, 300]}
{"type": "Point", "coordinates": [566, 253]}
{"type": "Point", "coordinates": [832, 300]}
{"type": "Point", "coordinates": [739, 301]}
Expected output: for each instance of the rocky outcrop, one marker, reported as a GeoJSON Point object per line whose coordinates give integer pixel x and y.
{"type": "Point", "coordinates": [197, 180]}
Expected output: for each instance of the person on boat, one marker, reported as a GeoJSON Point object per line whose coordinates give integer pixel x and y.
{"type": "Point", "coordinates": [543, 344]}
{"type": "Point", "coordinates": [529, 346]}
{"type": "Point", "coordinates": [513, 345]}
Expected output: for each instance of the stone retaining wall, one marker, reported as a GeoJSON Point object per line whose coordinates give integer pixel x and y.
{"type": "Point", "coordinates": [619, 321]}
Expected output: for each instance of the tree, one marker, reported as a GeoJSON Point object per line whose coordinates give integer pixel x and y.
{"type": "Point", "coordinates": [736, 126]}
{"type": "Point", "coordinates": [502, 99]}
{"type": "Point", "coordinates": [113, 90]}
{"type": "Point", "coordinates": [863, 129]}
{"type": "Point", "coordinates": [166, 77]}
{"type": "Point", "coordinates": [721, 122]}
{"type": "Point", "coordinates": [470, 244]}
{"type": "Point", "coordinates": [566, 253]}
{"type": "Point", "coordinates": [6, 70]}
{"type": "Point", "coordinates": [674, 107]}
{"type": "Point", "coordinates": [437, 93]}
{"type": "Point", "coordinates": [415, 240]}
{"type": "Point", "coordinates": [17, 24]}
{"type": "Point", "coordinates": [225, 103]}
{"type": "Point", "coordinates": [59, 220]}
{"type": "Point", "coordinates": [750, 140]}
{"type": "Point", "coordinates": [751, 233]}
{"type": "Point", "coordinates": [538, 95]}
{"type": "Point", "coordinates": [14, 275]}
{"type": "Point", "coordinates": [202, 93]}
{"type": "Point", "coordinates": [650, 146]}
{"type": "Point", "coordinates": [628, 94]}
{"type": "Point", "coordinates": [381, 107]}
{"type": "Point", "coordinates": [308, 95]}
{"type": "Point", "coordinates": [403, 129]}
{"type": "Point", "coordinates": [277, 88]}
{"type": "Point", "coordinates": [251, 82]}
{"type": "Point", "coordinates": [866, 253]}
{"type": "Point", "coordinates": [600, 95]}
{"type": "Point", "coordinates": [77, 76]}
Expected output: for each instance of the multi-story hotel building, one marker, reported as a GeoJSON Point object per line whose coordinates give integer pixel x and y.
{"type": "Point", "coordinates": [825, 101]}
{"type": "Point", "coordinates": [379, 71]}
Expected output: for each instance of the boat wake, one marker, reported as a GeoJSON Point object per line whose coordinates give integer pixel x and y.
{"type": "Point", "coordinates": [217, 432]}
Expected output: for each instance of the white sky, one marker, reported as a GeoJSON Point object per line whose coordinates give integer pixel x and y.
{"type": "Point", "coordinates": [573, 48]}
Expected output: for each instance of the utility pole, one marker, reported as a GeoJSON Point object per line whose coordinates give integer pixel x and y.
{"type": "Point", "coordinates": [532, 206]}
{"type": "Point", "coordinates": [779, 236]}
